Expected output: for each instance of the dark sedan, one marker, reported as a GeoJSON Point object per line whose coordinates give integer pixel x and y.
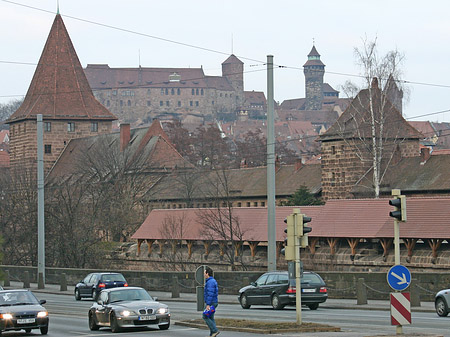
{"type": "Point", "coordinates": [277, 290]}
{"type": "Point", "coordinates": [92, 284]}
{"type": "Point", "coordinates": [130, 307]}
{"type": "Point", "coordinates": [21, 310]}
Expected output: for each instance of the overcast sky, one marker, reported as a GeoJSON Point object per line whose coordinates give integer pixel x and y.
{"type": "Point", "coordinates": [166, 30]}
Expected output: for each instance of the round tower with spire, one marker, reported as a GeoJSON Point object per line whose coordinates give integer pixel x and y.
{"type": "Point", "coordinates": [314, 70]}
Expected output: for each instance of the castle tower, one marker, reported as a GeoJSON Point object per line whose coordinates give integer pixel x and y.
{"type": "Point", "coordinates": [233, 70]}
{"type": "Point", "coordinates": [60, 92]}
{"type": "Point", "coordinates": [314, 70]}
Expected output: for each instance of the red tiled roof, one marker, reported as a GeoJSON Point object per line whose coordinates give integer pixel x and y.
{"type": "Point", "coordinates": [252, 222]}
{"type": "Point", "coordinates": [59, 89]}
{"type": "Point", "coordinates": [232, 59]}
{"type": "Point", "coordinates": [345, 218]}
{"type": "Point", "coordinates": [4, 136]}
{"type": "Point", "coordinates": [369, 218]}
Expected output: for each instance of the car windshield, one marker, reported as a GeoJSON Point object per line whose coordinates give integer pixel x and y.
{"type": "Point", "coordinates": [113, 278]}
{"type": "Point", "coordinates": [8, 298]}
{"type": "Point", "coordinates": [129, 295]}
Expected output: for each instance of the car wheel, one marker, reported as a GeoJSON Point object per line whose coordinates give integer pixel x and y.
{"type": "Point", "coordinates": [44, 330]}
{"type": "Point", "coordinates": [164, 326]}
{"type": "Point", "coordinates": [92, 325]}
{"type": "Point", "coordinates": [313, 306]}
{"type": "Point", "coordinates": [114, 324]}
{"type": "Point", "coordinates": [441, 307]}
{"type": "Point", "coordinates": [27, 330]}
{"type": "Point", "coordinates": [244, 302]}
{"type": "Point", "coordinates": [276, 304]}
{"type": "Point", "coordinates": [77, 294]}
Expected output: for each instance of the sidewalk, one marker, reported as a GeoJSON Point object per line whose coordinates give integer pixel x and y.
{"type": "Point", "coordinates": [233, 299]}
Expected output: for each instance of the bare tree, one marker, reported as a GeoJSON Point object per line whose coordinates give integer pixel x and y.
{"type": "Point", "coordinates": [219, 223]}
{"type": "Point", "coordinates": [373, 126]}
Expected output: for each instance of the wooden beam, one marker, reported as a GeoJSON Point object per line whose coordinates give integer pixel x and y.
{"type": "Point", "coordinates": [253, 245]}
{"type": "Point", "coordinates": [139, 246]}
{"type": "Point", "coordinates": [280, 246]}
{"type": "Point", "coordinates": [237, 248]}
{"type": "Point", "coordinates": [207, 245]}
{"type": "Point", "coordinates": [387, 245]}
{"type": "Point", "coordinates": [222, 245]}
{"type": "Point", "coordinates": [149, 245]}
{"type": "Point", "coordinates": [190, 245]}
{"type": "Point", "coordinates": [353, 242]}
{"type": "Point", "coordinates": [312, 245]}
{"type": "Point", "coordinates": [410, 244]}
{"type": "Point", "coordinates": [434, 244]}
{"type": "Point", "coordinates": [332, 242]}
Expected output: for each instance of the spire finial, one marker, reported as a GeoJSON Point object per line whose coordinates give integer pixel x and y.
{"type": "Point", "coordinates": [232, 43]}
{"type": "Point", "coordinates": [314, 42]}
{"type": "Point", "coordinates": [57, 7]}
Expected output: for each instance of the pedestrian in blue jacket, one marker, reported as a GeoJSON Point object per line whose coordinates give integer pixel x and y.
{"type": "Point", "coordinates": [210, 295]}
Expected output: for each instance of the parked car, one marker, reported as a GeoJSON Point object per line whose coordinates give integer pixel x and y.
{"type": "Point", "coordinates": [276, 289]}
{"type": "Point", "coordinates": [21, 310]}
{"type": "Point", "coordinates": [92, 284]}
{"type": "Point", "coordinates": [129, 307]}
{"type": "Point", "coordinates": [1, 288]}
{"type": "Point", "coordinates": [441, 302]}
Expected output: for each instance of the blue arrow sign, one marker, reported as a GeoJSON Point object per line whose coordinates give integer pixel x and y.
{"type": "Point", "coordinates": [399, 277]}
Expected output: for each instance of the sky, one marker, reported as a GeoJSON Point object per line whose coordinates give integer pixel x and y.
{"type": "Point", "coordinates": [203, 33]}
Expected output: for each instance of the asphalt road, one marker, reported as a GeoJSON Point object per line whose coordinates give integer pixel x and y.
{"type": "Point", "coordinates": [69, 318]}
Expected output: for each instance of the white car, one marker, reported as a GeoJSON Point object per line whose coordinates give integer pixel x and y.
{"type": "Point", "coordinates": [441, 302]}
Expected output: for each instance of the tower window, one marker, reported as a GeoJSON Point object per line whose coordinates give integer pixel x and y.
{"type": "Point", "coordinates": [94, 126]}
{"type": "Point", "coordinates": [201, 92]}
{"type": "Point", "coordinates": [193, 91]}
{"type": "Point", "coordinates": [47, 126]}
{"type": "Point", "coordinates": [191, 103]}
{"type": "Point", "coordinates": [196, 91]}
{"type": "Point", "coordinates": [196, 103]}
{"type": "Point", "coordinates": [129, 103]}
{"type": "Point", "coordinates": [172, 92]}
{"type": "Point", "coordinates": [71, 127]}
{"type": "Point", "coordinates": [178, 91]}
{"type": "Point", "coordinates": [47, 149]}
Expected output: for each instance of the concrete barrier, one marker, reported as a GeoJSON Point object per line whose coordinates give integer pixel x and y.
{"type": "Point", "coordinates": [361, 292]}
{"type": "Point", "coordinates": [175, 287]}
{"type": "Point", "coordinates": [7, 281]}
{"type": "Point", "coordinates": [63, 282]}
{"type": "Point", "coordinates": [26, 279]}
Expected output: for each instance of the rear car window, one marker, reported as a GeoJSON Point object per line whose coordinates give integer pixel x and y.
{"type": "Point", "coordinates": [311, 278]}
{"type": "Point", "coordinates": [113, 278]}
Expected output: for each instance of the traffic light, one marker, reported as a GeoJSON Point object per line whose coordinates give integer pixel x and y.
{"type": "Point", "coordinates": [400, 208]}
{"type": "Point", "coordinates": [289, 245]}
{"type": "Point", "coordinates": [303, 229]}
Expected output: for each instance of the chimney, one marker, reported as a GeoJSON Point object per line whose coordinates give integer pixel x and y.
{"type": "Point", "coordinates": [375, 83]}
{"type": "Point", "coordinates": [424, 154]}
{"type": "Point", "coordinates": [298, 164]}
{"type": "Point", "coordinates": [124, 135]}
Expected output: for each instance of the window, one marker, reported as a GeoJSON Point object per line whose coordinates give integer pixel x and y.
{"type": "Point", "coordinates": [191, 103]}
{"type": "Point", "coordinates": [255, 204]}
{"type": "Point", "coordinates": [161, 103]}
{"type": "Point", "coordinates": [121, 103]}
{"type": "Point", "coordinates": [196, 103]}
{"type": "Point", "coordinates": [148, 91]}
{"type": "Point", "coordinates": [333, 149]}
{"type": "Point", "coordinates": [201, 92]}
{"type": "Point", "coordinates": [179, 103]}
{"type": "Point", "coordinates": [263, 203]}
{"type": "Point", "coordinates": [94, 126]}
{"type": "Point", "coordinates": [162, 91]}
{"type": "Point", "coordinates": [248, 203]}
{"type": "Point", "coordinates": [196, 91]}
{"type": "Point", "coordinates": [71, 127]}
{"type": "Point", "coordinates": [108, 103]}
{"type": "Point", "coordinates": [167, 103]}
{"type": "Point", "coordinates": [129, 103]}
{"type": "Point", "coordinates": [167, 91]}
{"type": "Point", "coordinates": [212, 102]}
{"type": "Point", "coordinates": [193, 91]}
{"type": "Point", "coordinates": [114, 92]}
{"type": "Point", "coordinates": [178, 91]}
{"type": "Point", "coordinates": [47, 149]}
{"type": "Point", "coordinates": [47, 126]}
{"type": "Point", "coordinates": [239, 204]}
{"type": "Point", "coordinates": [149, 103]}
{"type": "Point", "coordinates": [172, 92]}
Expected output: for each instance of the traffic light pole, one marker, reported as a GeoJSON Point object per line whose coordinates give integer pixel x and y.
{"type": "Point", "coordinates": [298, 284]}
{"type": "Point", "coordinates": [396, 193]}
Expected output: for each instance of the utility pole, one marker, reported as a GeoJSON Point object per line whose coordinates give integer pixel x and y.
{"type": "Point", "coordinates": [271, 235]}
{"type": "Point", "coordinates": [40, 192]}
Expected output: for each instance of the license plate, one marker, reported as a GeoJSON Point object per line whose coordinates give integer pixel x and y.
{"type": "Point", "coordinates": [309, 290]}
{"type": "Point", "coordinates": [25, 320]}
{"type": "Point", "coordinates": [147, 318]}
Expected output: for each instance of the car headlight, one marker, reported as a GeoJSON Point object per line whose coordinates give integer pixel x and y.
{"type": "Point", "coordinates": [6, 316]}
{"type": "Point", "coordinates": [126, 313]}
{"type": "Point", "coordinates": [162, 311]}
{"type": "Point", "coordinates": [42, 314]}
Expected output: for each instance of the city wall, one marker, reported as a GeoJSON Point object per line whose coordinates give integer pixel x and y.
{"type": "Point", "coordinates": [340, 284]}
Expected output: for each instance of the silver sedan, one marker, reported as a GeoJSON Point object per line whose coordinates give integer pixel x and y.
{"type": "Point", "coordinates": [441, 302]}
{"type": "Point", "coordinates": [128, 307]}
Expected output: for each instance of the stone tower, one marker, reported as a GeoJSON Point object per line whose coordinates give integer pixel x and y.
{"type": "Point", "coordinates": [60, 92]}
{"type": "Point", "coordinates": [233, 70]}
{"type": "Point", "coordinates": [314, 70]}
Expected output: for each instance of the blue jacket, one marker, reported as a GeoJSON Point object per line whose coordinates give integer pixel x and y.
{"type": "Point", "coordinates": [211, 291]}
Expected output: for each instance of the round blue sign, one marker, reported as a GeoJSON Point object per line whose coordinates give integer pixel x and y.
{"type": "Point", "coordinates": [399, 277]}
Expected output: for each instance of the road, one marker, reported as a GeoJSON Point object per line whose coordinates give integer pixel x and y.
{"type": "Point", "coordinates": [69, 318]}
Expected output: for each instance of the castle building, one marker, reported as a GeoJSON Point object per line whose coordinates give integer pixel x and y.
{"type": "Point", "coordinates": [148, 93]}
{"type": "Point", "coordinates": [60, 92]}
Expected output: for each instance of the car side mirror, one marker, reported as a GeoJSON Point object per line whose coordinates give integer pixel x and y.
{"type": "Point", "coordinates": [99, 301]}
{"type": "Point", "coordinates": [253, 284]}
{"type": "Point", "coordinates": [42, 301]}
{"type": "Point", "coordinates": [155, 298]}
